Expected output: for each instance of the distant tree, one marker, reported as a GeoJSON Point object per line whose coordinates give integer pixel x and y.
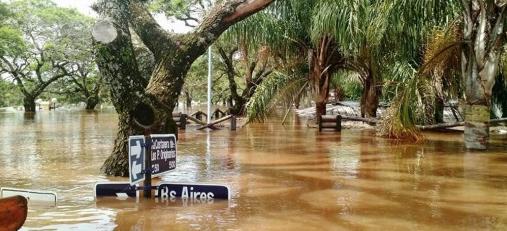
{"type": "Point", "coordinates": [36, 41]}
{"type": "Point", "coordinates": [251, 66]}
{"type": "Point", "coordinates": [85, 83]}
{"type": "Point", "coordinates": [328, 36]}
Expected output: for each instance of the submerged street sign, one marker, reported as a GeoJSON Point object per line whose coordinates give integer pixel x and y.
{"type": "Point", "coordinates": [136, 159]}
{"type": "Point", "coordinates": [115, 189]}
{"type": "Point", "coordinates": [193, 191]}
{"type": "Point", "coordinates": [163, 153]}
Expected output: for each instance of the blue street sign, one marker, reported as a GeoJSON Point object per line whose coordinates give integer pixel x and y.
{"type": "Point", "coordinates": [114, 189]}
{"type": "Point", "coordinates": [163, 153]}
{"type": "Point", "coordinates": [193, 191]}
{"type": "Point", "coordinates": [136, 159]}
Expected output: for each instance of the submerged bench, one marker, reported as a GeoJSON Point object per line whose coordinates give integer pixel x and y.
{"type": "Point", "coordinates": [199, 115]}
{"type": "Point", "coordinates": [217, 114]}
{"type": "Point", "coordinates": [211, 125]}
{"type": "Point", "coordinates": [330, 122]}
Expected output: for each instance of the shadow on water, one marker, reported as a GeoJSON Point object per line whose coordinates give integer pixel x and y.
{"type": "Point", "coordinates": [282, 177]}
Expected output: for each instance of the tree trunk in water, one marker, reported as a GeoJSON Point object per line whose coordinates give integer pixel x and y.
{"type": "Point", "coordinates": [29, 104]}
{"type": "Point", "coordinates": [370, 97]}
{"type": "Point", "coordinates": [323, 62]}
{"type": "Point", "coordinates": [320, 110]}
{"type": "Point", "coordinates": [439, 110]}
{"type": "Point", "coordinates": [477, 126]}
{"type": "Point", "coordinates": [484, 28]}
{"type": "Point", "coordinates": [91, 103]}
{"type": "Point", "coordinates": [174, 54]}
{"type": "Point", "coordinates": [117, 163]}
{"type": "Point", "coordinates": [117, 64]}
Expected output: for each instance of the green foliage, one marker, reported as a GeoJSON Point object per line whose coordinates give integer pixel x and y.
{"type": "Point", "coordinates": [10, 96]}
{"type": "Point", "coordinates": [197, 81]}
{"type": "Point", "coordinates": [41, 43]}
{"type": "Point", "coordinates": [276, 89]}
{"type": "Point", "coordinates": [400, 118]}
{"type": "Point", "coordinates": [348, 83]}
{"type": "Point", "coordinates": [11, 41]}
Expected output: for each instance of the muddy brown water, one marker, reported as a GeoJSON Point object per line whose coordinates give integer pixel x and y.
{"type": "Point", "coordinates": [282, 178]}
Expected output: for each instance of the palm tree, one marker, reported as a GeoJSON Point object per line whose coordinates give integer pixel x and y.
{"type": "Point", "coordinates": [481, 46]}
{"type": "Point", "coordinates": [358, 35]}
{"type": "Point", "coordinates": [485, 37]}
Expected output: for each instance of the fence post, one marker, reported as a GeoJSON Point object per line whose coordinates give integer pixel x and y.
{"type": "Point", "coordinates": [338, 123]}
{"type": "Point", "coordinates": [233, 123]}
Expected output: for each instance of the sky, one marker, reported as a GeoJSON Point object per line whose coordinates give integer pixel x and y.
{"type": "Point", "coordinates": [83, 6]}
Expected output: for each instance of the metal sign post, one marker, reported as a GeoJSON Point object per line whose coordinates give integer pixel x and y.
{"type": "Point", "coordinates": [150, 156]}
{"type": "Point", "coordinates": [147, 167]}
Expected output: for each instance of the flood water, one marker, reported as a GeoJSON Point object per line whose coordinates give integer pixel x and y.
{"type": "Point", "coordinates": [282, 178]}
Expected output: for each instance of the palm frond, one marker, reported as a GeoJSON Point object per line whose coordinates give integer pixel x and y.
{"type": "Point", "coordinates": [277, 89]}
{"type": "Point", "coordinates": [400, 118]}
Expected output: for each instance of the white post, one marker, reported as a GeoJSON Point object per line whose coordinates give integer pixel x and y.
{"type": "Point", "coordinates": [209, 84]}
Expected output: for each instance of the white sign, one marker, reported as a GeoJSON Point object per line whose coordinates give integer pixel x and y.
{"type": "Point", "coordinates": [163, 153]}
{"type": "Point", "coordinates": [136, 159]}
{"type": "Point", "coordinates": [31, 195]}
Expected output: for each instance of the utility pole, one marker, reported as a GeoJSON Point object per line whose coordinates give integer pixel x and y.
{"type": "Point", "coordinates": [209, 84]}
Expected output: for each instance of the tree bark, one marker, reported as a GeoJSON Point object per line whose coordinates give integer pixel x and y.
{"type": "Point", "coordinates": [320, 109]}
{"type": "Point", "coordinates": [477, 126]}
{"type": "Point", "coordinates": [370, 97]}
{"type": "Point", "coordinates": [484, 29]}
{"type": "Point", "coordinates": [118, 66]}
{"type": "Point", "coordinates": [323, 62]}
{"type": "Point", "coordinates": [117, 164]}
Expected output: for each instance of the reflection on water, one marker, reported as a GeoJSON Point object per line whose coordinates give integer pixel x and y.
{"type": "Point", "coordinates": [282, 178]}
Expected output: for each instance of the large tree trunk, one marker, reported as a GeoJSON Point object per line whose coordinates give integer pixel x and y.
{"type": "Point", "coordinates": [320, 109]}
{"type": "Point", "coordinates": [118, 66]}
{"type": "Point", "coordinates": [477, 126]}
{"type": "Point", "coordinates": [29, 104]}
{"type": "Point", "coordinates": [117, 164]}
{"type": "Point", "coordinates": [370, 97]}
{"type": "Point", "coordinates": [484, 28]}
{"type": "Point", "coordinates": [174, 54]}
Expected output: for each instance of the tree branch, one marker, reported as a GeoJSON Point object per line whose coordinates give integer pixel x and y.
{"type": "Point", "coordinates": [224, 15]}
{"type": "Point", "coordinates": [151, 33]}
{"type": "Point", "coordinates": [247, 8]}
